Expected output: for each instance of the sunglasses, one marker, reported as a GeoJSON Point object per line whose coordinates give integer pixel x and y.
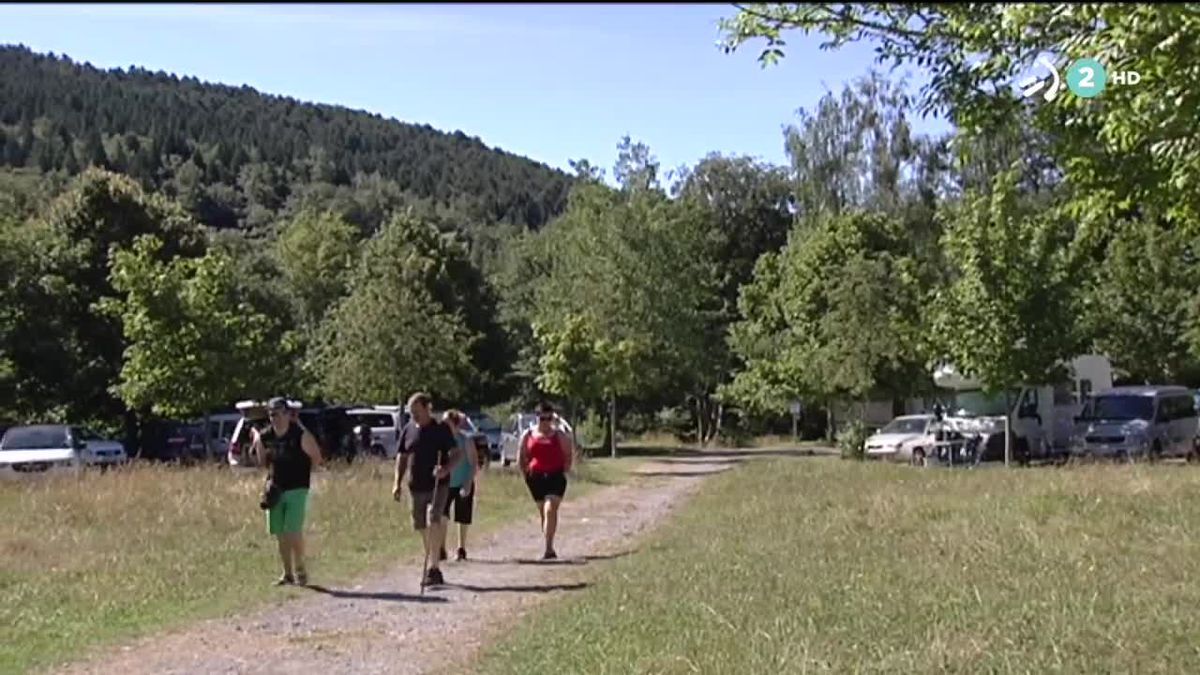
{"type": "Point", "coordinates": [546, 418]}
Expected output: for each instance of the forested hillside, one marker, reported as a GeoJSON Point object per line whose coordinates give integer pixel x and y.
{"type": "Point", "coordinates": [234, 156]}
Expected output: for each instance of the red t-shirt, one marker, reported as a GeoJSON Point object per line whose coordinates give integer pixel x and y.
{"type": "Point", "coordinates": [545, 453]}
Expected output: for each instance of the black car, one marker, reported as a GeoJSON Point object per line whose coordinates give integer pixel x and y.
{"type": "Point", "coordinates": [172, 441]}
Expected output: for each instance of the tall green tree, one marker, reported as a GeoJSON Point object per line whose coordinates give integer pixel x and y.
{"type": "Point", "coordinates": [401, 328]}
{"type": "Point", "coordinates": [1138, 304]}
{"type": "Point", "coordinates": [194, 341]}
{"type": "Point", "coordinates": [1009, 313]}
{"type": "Point", "coordinates": [836, 315]}
{"type": "Point", "coordinates": [70, 352]}
{"type": "Point", "coordinates": [632, 276]}
{"type": "Point", "coordinates": [316, 251]}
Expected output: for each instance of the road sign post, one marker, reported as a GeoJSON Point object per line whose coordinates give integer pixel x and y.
{"type": "Point", "coordinates": [797, 409]}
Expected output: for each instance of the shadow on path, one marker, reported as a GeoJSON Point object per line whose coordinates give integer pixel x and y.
{"type": "Point", "coordinates": [361, 595]}
{"type": "Point", "coordinates": [576, 560]}
{"type": "Point", "coordinates": [540, 588]}
{"type": "Point", "coordinates": [677, 474]}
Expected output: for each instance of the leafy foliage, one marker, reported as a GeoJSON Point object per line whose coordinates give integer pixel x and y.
{"type": "Point", "coordinates": [401, 327]}
{"type": "Point", "coordinates": [1007, 317]}
{"type": "Point", "coordinates": [193, 343]}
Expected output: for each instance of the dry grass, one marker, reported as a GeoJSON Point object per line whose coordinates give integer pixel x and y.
{"type": "Point", "coordinates": [821, 565]}
{"type": "Point", "coordinates": [104, 557]}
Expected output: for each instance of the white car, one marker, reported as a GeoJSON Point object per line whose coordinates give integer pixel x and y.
{"type": "Point", "coordinates": [385, 428]}
{"type": "Point", "coordinates": [97, 450]}
{"type": "Point", "coordinates": [911, 438]}
{"type": "Point", "coordinates": [40, 448]}
{"type": "Point", "coordinates": [515, 429]}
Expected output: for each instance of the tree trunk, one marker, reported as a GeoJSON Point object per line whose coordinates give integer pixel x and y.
{"type": "Point", "coordinates": [612, 425]}
{"type": "Point", "coordinates": [132, 432]}
{"type": "Point", "coordinates": [601, 411]}
{"type": "Point", "coordinates": [700, 412]}
{"type": "Point", "coordinates": [205, 437]}
{"type": "Point", "coordinates": [716, 435]}
{"type": "Point", "coordinates": [830, 424]}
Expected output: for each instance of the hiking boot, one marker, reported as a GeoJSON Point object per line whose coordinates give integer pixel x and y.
{"type": "Point", "coordinates": [442, 554]}
{"type": "Point", "coordinates": [462, 554]}
{"type": "Point", "coordinates": [302, 578]}
{"type": "Point", "coordinates": [285, 580]}
{"type": "Point", "coordinates": [434, 578]}
{"type": "Point", "coordinates": [550, 555]}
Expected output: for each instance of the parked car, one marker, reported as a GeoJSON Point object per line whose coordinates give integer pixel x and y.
{"type": "Point", "coordinates": [385, 429]}
{"type": "Point", "coordinates": [172, 441]}
{"type": "Point", "coordinates": [331, 425]}
{"type": "Point", "coordinates": [491, 431]}
{"type": "Point", "coordinates": [480, 440]}
{"type": "Point", "coordinates": [913, 439]}
{"type": "Point", "coordinates": [515, 429]}
{"type": "Point", "coordinates": [98, 450]}
{"type": "Point", "coordinates": [220, 430]}
{"type": "Point", "coordinates": [41, 448]}
{"type": "Point", "coordinates": [1129, 422]}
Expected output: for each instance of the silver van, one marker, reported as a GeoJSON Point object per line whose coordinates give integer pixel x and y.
{"type": "Point", "coordinates": [1130, 422]}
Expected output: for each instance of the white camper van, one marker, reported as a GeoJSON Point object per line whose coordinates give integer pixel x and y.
{"type": "Point", "coordinates": [1042, 418]}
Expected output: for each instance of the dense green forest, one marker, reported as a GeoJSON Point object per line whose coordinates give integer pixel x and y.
{"type": "Point", "coordinates": [170, 246]}
{"type": "Point", "coordinates": [235, 157]}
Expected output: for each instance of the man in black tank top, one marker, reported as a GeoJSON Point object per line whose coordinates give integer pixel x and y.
{"type": "Point", "coordinates": [290, 452]}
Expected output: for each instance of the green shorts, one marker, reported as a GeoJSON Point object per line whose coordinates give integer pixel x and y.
{"type": "Point", "coordinates": [287, 516]}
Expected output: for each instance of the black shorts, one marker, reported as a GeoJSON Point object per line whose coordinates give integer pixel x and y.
{"type": "Point", "coordinates": [463, 506]}
{"type": "Point", "coordinates": [542, 485]}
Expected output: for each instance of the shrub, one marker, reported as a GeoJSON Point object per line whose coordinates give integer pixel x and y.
{"type": "Point", "coordinates": [852, 440]}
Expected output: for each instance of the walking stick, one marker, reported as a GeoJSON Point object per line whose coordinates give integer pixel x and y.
{"type": "Point", "coordinates": [428, 525]}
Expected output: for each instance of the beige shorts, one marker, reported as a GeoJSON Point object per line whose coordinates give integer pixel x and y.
{"type": "Point", "coordinates": [427, 507]}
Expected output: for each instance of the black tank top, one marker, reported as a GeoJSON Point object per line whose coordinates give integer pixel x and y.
{"type": "Point", "coordinates": [291, 467]}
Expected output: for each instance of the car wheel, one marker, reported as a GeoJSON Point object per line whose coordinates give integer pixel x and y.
{"type": "Point", "coordinates": [1155, 453]}
{"type": "Point", "coordinates": [378, 451]}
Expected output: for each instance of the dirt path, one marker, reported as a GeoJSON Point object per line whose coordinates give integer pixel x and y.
{"type": "Point", "coordinates": [383, 626]}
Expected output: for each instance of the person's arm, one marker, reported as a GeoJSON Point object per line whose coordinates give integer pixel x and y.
{"type": "Point", "coordinates": [454, 454]}
{"type": "Point", "coordinates": [309, 444]}
{"type": "Point", "coordinates": [401, 464]}
{"type": "Point", "coordinates": [256, 448]}
{"type": "Point", "coordinates": [472, 459]}
{"type": "Point", "coordinates": [523, 452]}
{"type": "Point", "coordinates": [568, 447]}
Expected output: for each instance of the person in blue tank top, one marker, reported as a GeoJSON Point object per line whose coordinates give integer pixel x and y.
{"type": "Point", "coordinates": [462, 483]}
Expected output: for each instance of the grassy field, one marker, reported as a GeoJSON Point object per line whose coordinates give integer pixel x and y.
{"type": "Point", "coordinates": [821, 565]}
{"type": "Point", "coordinates": [89, 560]}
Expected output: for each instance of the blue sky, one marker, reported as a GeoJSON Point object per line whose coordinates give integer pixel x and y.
{"type": "Point", "coordinates": [552, 83]}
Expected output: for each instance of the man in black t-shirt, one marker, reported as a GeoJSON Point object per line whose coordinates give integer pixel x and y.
{"type": "Point", "coordinates": [429, 446]}
{"type": "Point", "coordinates": [291, 452]}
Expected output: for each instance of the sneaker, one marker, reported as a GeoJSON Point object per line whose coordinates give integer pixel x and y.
{"type": "Point", "coordinates": [550, 555]}
{"type": "Point", "coordinates": [434, 578]}
{"type": "Point", "coordinates": [462, 554]}
{"type": "Point", "coordinates": [442, 554]}
{"type": "Point", "coordinates": [285, 580]}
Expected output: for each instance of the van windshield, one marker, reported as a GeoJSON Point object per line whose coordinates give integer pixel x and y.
{"type": "Point", "coordinates": [977, 404]}
{"type": "Point", "coordinates": [1119, 408]}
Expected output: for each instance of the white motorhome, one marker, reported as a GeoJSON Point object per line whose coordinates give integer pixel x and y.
{"type": "Point", "coordinates": [1041, 417]}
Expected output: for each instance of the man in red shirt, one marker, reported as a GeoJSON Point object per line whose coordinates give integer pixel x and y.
{"type": "Point", "coordinates": [545, 458]}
